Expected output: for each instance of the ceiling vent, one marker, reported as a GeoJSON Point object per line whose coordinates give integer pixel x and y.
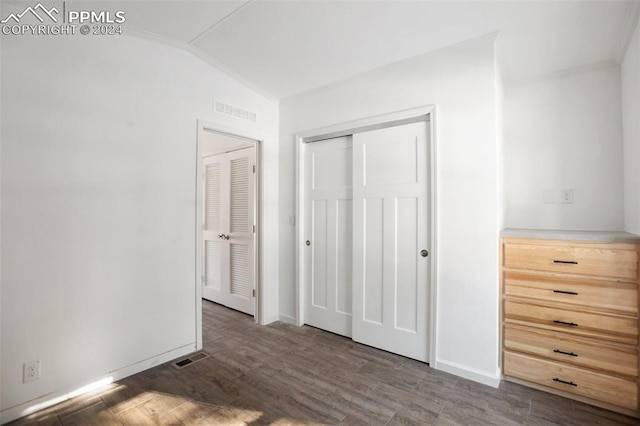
{"type": "Point", "coordinates": [234, 111]}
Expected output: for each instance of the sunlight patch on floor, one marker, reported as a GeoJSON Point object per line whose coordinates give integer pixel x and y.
{"type": "Point", "coordinates": [95, 386]}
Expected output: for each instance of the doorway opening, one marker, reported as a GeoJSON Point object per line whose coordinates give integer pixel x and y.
{"type": "Point", "coordinates": [227, 219]}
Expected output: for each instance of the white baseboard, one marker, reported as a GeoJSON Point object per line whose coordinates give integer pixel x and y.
{"type": "Point", "coordinates": [288, 319]}
{"type": "Point", "coordinates": [468, 373]}
{"type": "Point", "coordinates": [12, 413]}
{"type": "Point", "coordinates": [270, 319]}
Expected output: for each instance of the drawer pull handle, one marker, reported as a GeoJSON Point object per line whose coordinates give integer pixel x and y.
{"type": "Point", "coordinates": [555, 379]}
{"type": "Point", "coordinates": [572, 324]}
{"type": "Point", "coordinates": [558, 351]}
{"type": "Point", "coordinates": [573, 293]}
{"type": "Point", "coordinates": [566, 262]}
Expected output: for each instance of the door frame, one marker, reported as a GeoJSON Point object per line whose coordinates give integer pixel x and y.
{"type": "Point", "coordinates": [424, 113]}
{"type": "Point", "coordinates": [204, 126]}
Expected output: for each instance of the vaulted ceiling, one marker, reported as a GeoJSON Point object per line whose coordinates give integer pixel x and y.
{"type": "Point", "coordinates": [283, 48]}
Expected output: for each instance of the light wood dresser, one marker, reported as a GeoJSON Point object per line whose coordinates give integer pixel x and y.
{"type": "Point", "coordinates": [570, 314]}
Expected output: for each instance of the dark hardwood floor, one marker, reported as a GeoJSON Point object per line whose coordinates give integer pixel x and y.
{"type": "Point", "coordinates": [282, 375]}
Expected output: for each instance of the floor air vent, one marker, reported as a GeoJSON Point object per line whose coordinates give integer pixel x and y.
{"type": "Point", "coordinates": [191, 359]}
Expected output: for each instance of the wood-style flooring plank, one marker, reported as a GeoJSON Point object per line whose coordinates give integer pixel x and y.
{"type": "Point", "coordinates": [46, 417]}
{"type": "Point", "coordinates": [285, 375]}
{"type": "Point", "coordinates": [360, 408]}
{"type": "Point", "coordinates": [148, 413]}
{"type": "Point", "coordinates": [97, 414]}
{"type": "Point", "coordinates": [408, 404]}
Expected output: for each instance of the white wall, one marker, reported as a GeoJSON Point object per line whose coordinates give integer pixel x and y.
{"type": "Point", "coordinates": [460, 82]}
{"type": "Point", "coordinates": [565, 133]}
{"type": "Point", "coordinates": [500, 95]}
{"type": "Point", "coordinates": [631, 133]}
{"type": "Point", "coordinates": [1, 380]}
{"type": "Point", "coordinates": [98, 196]}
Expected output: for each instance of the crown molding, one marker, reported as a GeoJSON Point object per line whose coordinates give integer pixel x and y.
{"type": "Point", "coordinates": [567, 72]}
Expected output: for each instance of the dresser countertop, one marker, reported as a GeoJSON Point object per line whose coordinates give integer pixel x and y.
{"type": "Point", "coordinates": [559, 234]}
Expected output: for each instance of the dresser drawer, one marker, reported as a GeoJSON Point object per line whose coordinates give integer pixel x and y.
{"type": "Point", "coordinates": [611, 327]}
{"type": "Point", "coordinates": [558, 346]}
{"type": "Point", "coordinates": [613, 390]}
{"type": "Point", "coordinates": [600, 295]}
{"type": "Point", "coordinates": [597, 260]}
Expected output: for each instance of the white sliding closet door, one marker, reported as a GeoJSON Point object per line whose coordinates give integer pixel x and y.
{"type": "Point", "coordinates": [229, 233]}
{"type": "Point", "coordinates": [328, 251]}
{"type": "Point", "coordinates": [390, 217]}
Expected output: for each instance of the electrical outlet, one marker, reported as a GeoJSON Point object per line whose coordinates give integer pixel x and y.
{"type": "Point", "coordinates": [566, 196]}
{"type": "Point", "coordinates": [31, 371]}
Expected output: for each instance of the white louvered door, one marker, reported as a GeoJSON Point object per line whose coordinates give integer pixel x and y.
{"type": "Point", "coordinates": [213, 225]}
{"type": "Point", "coordinates": [229, 234]}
